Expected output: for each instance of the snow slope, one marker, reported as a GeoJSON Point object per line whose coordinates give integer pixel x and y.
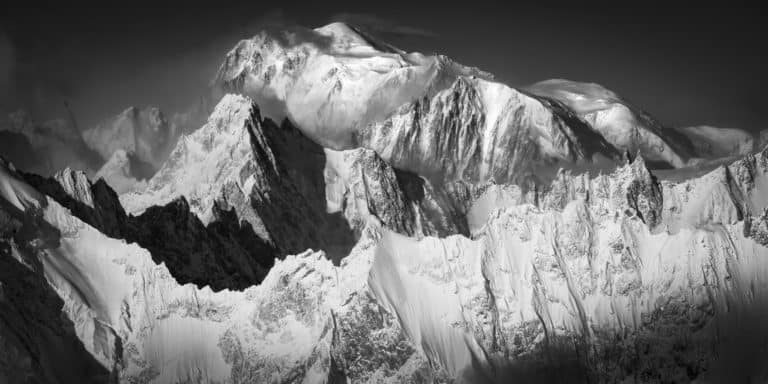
{"type": "Point", "coordinates": [294, 193]}
{"type": "Point", "coordinates": [331, 80]}
{"type": "Point", "coordinates": [609, 277]}
{"type": "Point", "coordinates": [211, 155]}
{"type": "Point", "coordinates": [141, 325]}
{"type": "Point", "coordinates": [334, 82]}
{"type": "Point", "coordinates": [624, 126]}
{"type": "Point", "coordinates": [574, 292]}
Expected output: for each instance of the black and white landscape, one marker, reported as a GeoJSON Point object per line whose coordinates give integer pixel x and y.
{"type": "Point", "coordinates": [335, 209]}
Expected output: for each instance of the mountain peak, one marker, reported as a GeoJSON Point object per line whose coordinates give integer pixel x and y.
{"type": "Point", "coordinates": [200, 161]}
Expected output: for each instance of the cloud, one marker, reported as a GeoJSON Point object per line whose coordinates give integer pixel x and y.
{"type": "Point", "coordinates": [286, 31]}
{"type": "Point", "coordinates": [375, 24]}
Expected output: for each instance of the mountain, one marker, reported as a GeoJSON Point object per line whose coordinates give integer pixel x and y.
{"type": "Point", "coordinates": [145, 132]}
{"type": "Point", "coordinates": [294, 193]}
{"type": "Point", "coordinates": [225, 253]}
{"type": "Point", "coordinates": [137, 141]}
{"type": "Point", "coordinates": [479, 130]}
{"type": "Point", "coordinates": [589, 282]}
{"type": "Point", "coordinates": [331, 80]}
{"type": "Point", "coordinates": [45, 147]}
{"type": "Point", "coordinates": [136, 322]}
{"type": "Point", "coordinates": [630, 279]}
{"type": "Point", "coordinates": [355, 213]}
{"type": "Point", "coordinates": [340, 86]}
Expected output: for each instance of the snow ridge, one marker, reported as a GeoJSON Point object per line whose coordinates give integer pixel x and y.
{"type": "Point", "coordinates": [596, 258]}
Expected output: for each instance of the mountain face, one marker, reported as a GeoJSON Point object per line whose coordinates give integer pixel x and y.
{"type": "Point", "coordinates": [479, 130]}
{"type": "Point", "coordinates": [344, 89]}
{"type": "Point", "coordinates": [603, 278]}
{"type": "Point", "coordinates": [292, 192]}
{"type": "Point", "coordinates": [355, 213]}
{"type": "Point", "coordinates": [222, 254]}
{"type": "Point", "coordinates": [596, 288]}
{"type": "Point", "coordinates": [331, 80]}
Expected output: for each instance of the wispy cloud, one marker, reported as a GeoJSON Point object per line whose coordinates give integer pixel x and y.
{"type": "Point", "coordinates": [286, 31]}
{"type": "Point", "coordinates": [375, 24]}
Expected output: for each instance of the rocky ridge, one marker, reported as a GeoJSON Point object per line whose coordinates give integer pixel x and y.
{"type": "Point", "coordinates": [294, 193]}
{"type": "Point", "coordinates": [617, 275]}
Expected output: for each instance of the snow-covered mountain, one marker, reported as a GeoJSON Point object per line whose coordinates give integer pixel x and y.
{"type": "Point", "coordinates": [145, 132]}
{"type": "Point", "coordinates": [335, 83]}
{"type": "Point", "coordinates": [614, 276]}
{"type": "Point", "coordinates": [293, 193]}
{"type": "Point", "coordinates": [356, 213]}
{"type": "Point", "coordinates": [478, 130]}
{"type": "Point", "coordinates": [142, 135]}
{"type": "Point", "coordinates": [331, 80]}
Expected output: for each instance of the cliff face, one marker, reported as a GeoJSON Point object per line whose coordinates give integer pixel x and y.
{"type": "Point", "coordinates": [226, 233]}
{"type": "Point", "coordinates": [586, 282]}
{"type": "Point", "coordinates": [478, 130]}
{"type": "Point", "coordinates": [621, 275]}
{"type": "Point", "coordinates": [137, 324]}
{"type": "Point", "coordinates": [292, 192]}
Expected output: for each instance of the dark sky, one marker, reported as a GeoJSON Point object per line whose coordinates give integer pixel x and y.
{"type": "Point", "coordinates": [685, 65]}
